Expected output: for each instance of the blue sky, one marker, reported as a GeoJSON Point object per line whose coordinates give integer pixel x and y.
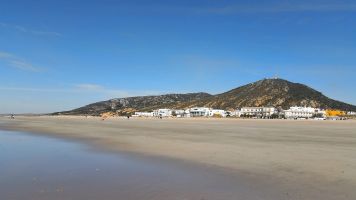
{"type": "Point", "coordinates": [58, 55]}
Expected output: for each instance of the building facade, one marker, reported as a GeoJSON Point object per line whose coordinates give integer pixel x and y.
{"type": "Point", "coordinates": [199, 112]}
{"type": "Point", "coordinates": [217, 113]}
{"type": "Point", "coordinates": [303, 112]}
{"type": "Point", "coordinates": [143, 114]}
{"type": "Point", "coordinates": [162, 113]}
{"type": "Point", "coordinates": [260, 112]}
{"type": "Point", "coordinates": [351, 113]}
{"type": "Point", "coordinates": [178, 113]}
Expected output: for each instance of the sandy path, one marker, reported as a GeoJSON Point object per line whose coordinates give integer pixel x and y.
{"type": "Point", "coordinates": [311, 159]}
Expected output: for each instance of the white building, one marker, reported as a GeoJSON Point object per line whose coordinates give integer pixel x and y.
{"type": "Point", "coordinates": [351, 113]}
{"type": "Point", "coordinates": [178, 113]}
{"type": "Point", "coordinates": [261, 112]}
{"type": "Point", "coordinates": [199, 112]}
{"type": "Point", "coordinates": [217, 112]}
{"type": "Point", "coordinates": [162, 113]}
{"type": "Point", "coordinates": [143, 114]}
{"type": "Point", "coordinates": [235, 113]}
{"type": "Point", "coordinates": [320, 112]}
{"type": "Point", "coordinates": [303, 112]}
{"type": "Point", "coordinates": [187, 113]}
{"type": "Point", "coordinates": [269, 111]}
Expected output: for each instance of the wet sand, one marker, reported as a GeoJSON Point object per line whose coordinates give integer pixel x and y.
{"type": "Point", "coordinates": [41, 168]}
{"type": "Point", "coordinates": [280, 159]}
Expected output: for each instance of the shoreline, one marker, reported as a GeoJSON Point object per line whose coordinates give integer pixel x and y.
{"type": "Point", "coordinates": [302, 155]}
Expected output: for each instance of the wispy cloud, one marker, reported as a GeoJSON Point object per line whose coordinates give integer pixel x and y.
{"type": "Point", "coordinates": [247, 8]}
{"type": "Point", "coordinates": [5, 55]}
{"type": "Point", "coordinates": [89, 86]}
{"type": "Point", "coordinates": [279, 8]}
{"type": "Point", "coordinates": [112, 93]}
{"type": "Point", "coordinates": [31, 89]}
{"type": "Point", "coordinates": [86, 88]}
{"type": "Point", "coordinates": [18, 63]}
{"type": "Point", "coordinates": [207, 63]}
{"type": "Point", "coordinates": [30, 31]}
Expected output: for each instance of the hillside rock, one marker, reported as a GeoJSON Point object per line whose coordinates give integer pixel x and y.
{"type": "Point", "coordinates": [136, 103]}
{"type": "Point", "coordinates": [272, 92]}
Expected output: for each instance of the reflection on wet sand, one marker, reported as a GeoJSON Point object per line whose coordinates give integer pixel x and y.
{"type": "Point", "coordinates": [36, 168]}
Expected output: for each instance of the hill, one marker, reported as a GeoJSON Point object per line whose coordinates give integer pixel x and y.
{"type": "Point", "coordinates": [271, 92]}
{"type": "Point", "coordinates": [135, 103]}
{"type": "Point", "coordinates": [267, 92]}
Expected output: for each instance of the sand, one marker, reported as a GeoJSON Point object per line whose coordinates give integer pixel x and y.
{"type": "Point", "coordinates": [306, 159]}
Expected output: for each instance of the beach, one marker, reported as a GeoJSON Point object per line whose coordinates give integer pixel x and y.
{"type": "Point", "coordinates": [303, 159]}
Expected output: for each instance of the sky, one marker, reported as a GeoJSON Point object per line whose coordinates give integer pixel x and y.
{"type": "Point", "coordinates": [59, 55]}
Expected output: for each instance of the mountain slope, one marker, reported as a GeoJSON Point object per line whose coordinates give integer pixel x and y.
{"type": "Point", "coordinates": [271, 92]}
{"type": "Point", "coordinates": [266, 92]}
{"type": "Point", "coordinates": [135, 103]}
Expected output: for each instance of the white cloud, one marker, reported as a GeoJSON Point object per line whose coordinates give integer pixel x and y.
{"type": "Point", "coordinates": [30, 31]}
{"type": "Point", "coordinates": [31, 89]}
{"type": "Point", "coordinates": [23, 65]}
{"type": "Point", "coordinates": [208, 63]}
{"type": "Point", "coordinates": [88, 86]}
{"type": "Point", "coordinates": [112, 93]}
{"type": "Point", "coordinates": [18, 63]}
{"type": "Point", "coordinates": [222, 8]}
{"type": "Point", "coordinates": [5, 55]}
{"type": "Point", "coordinates": [282, 7]}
